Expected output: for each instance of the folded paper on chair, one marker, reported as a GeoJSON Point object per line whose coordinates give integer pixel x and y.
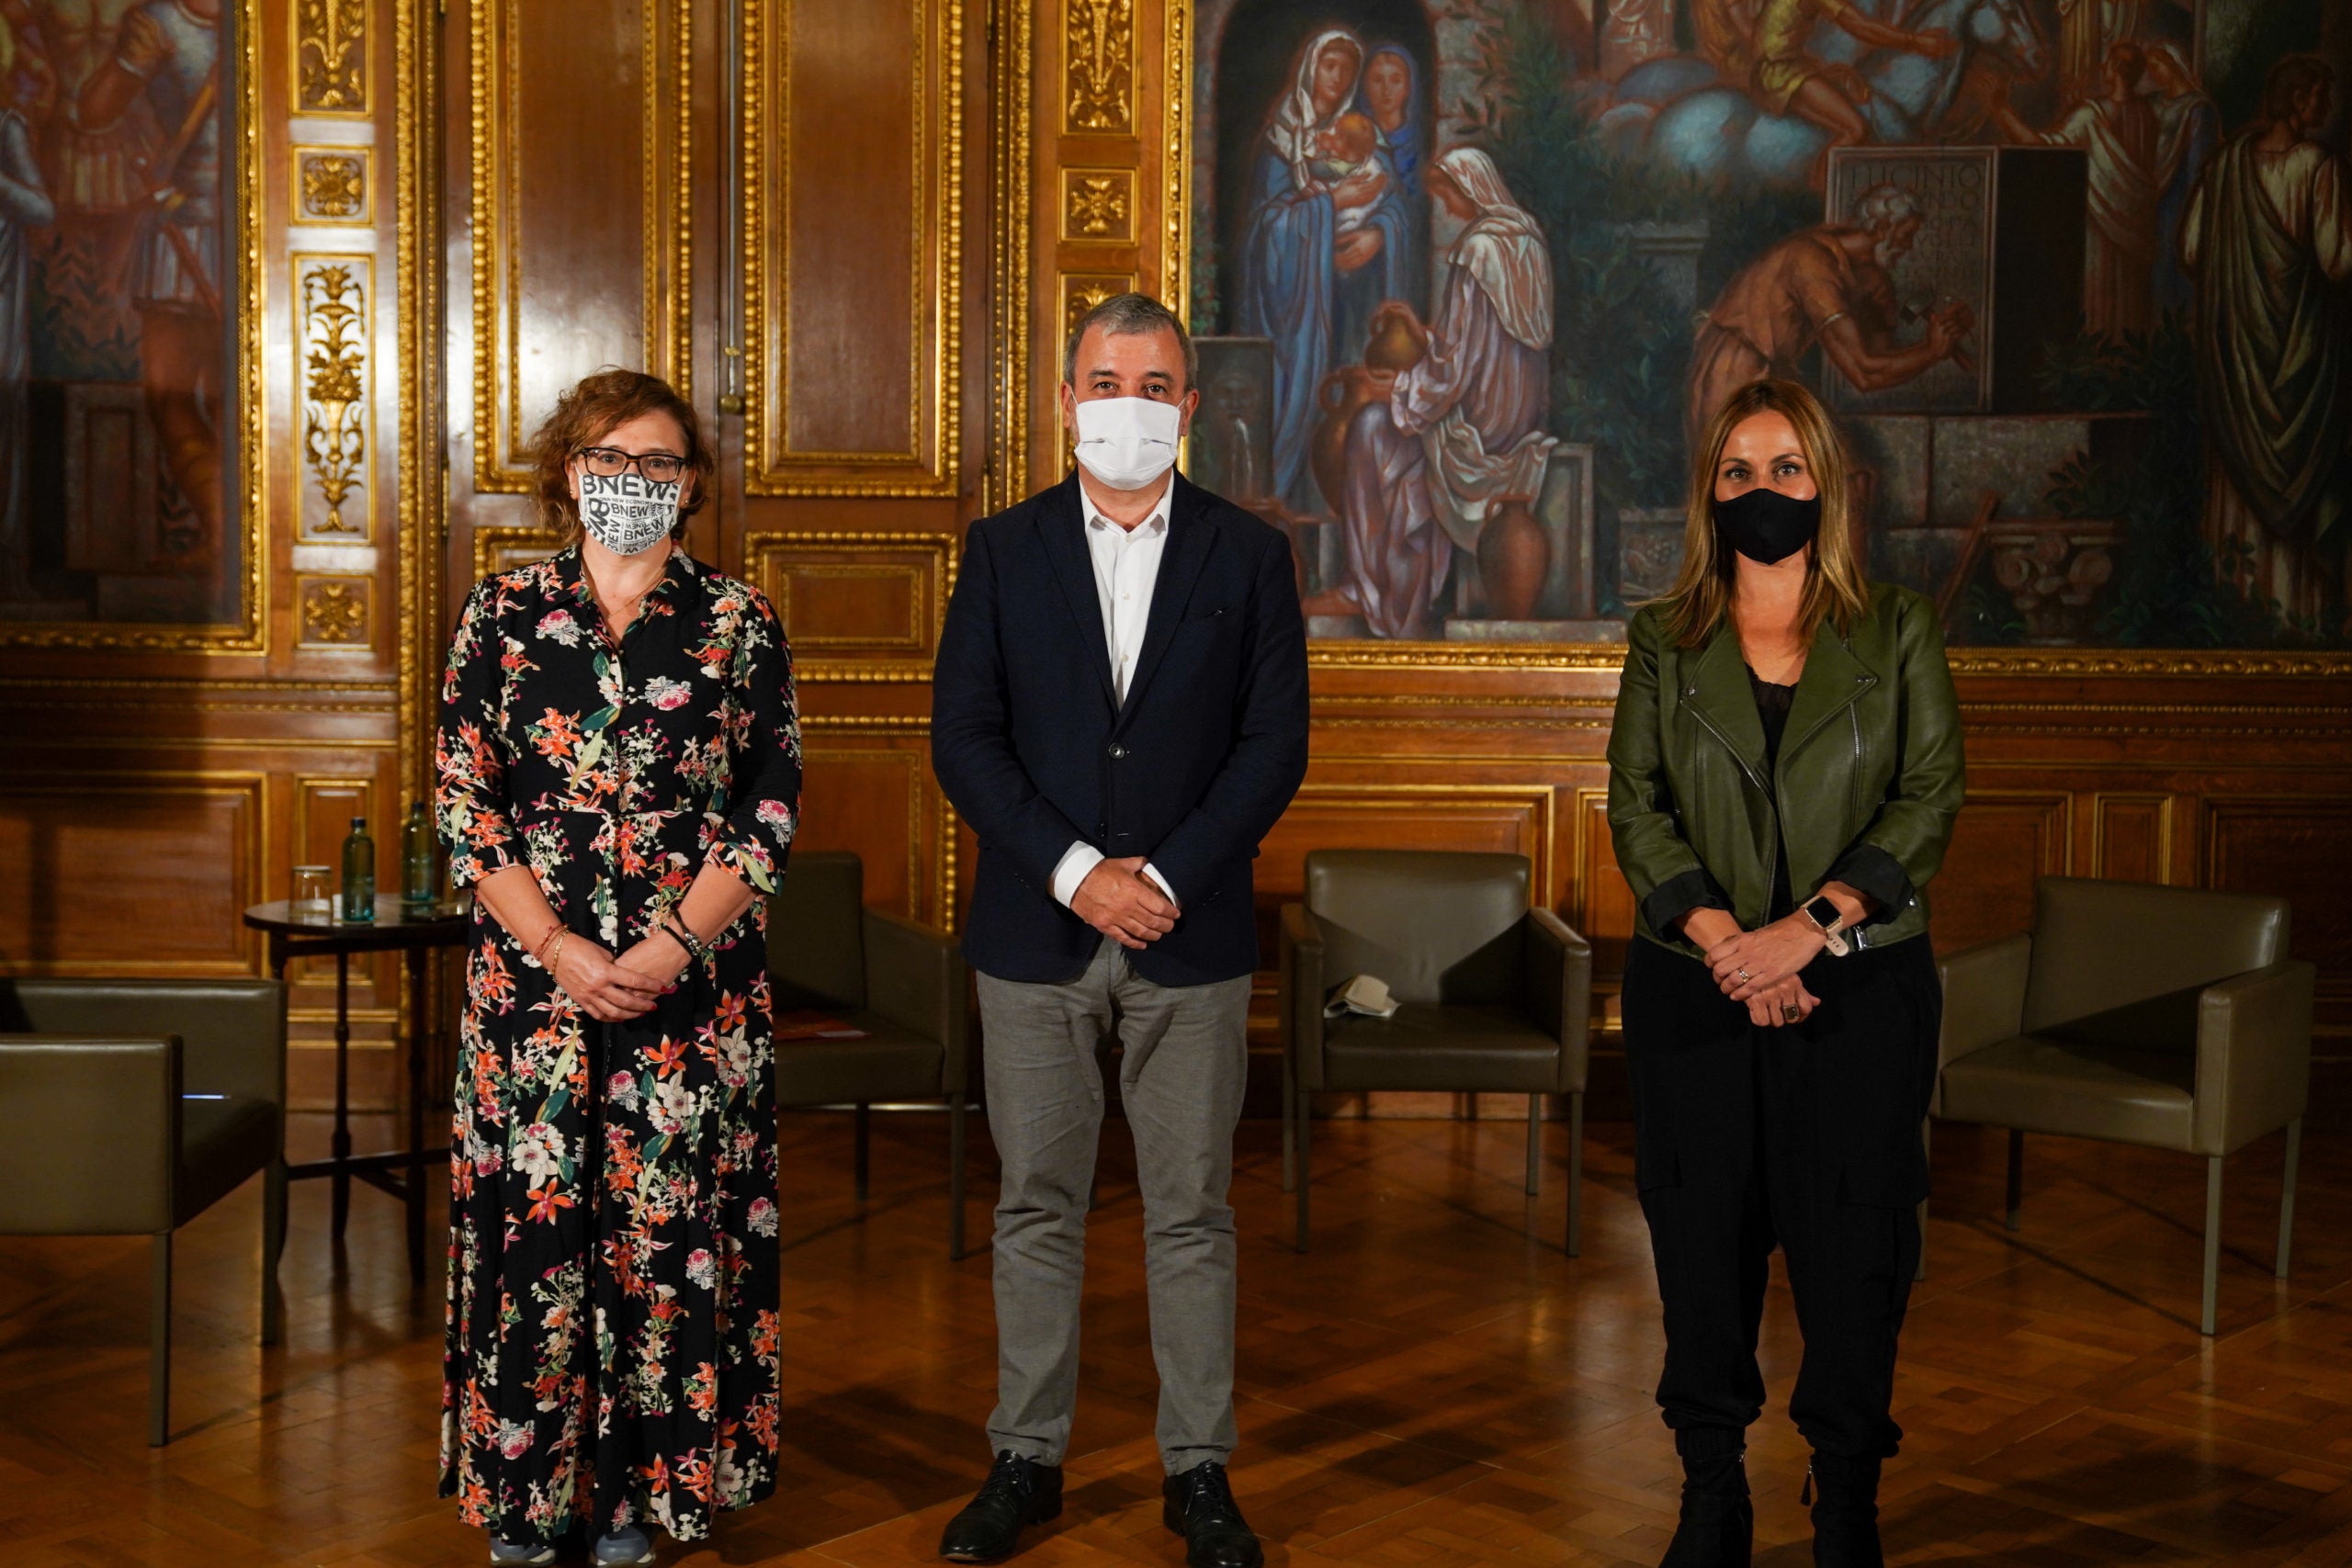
{"type": "Point", "coordinates": [1364, 994]}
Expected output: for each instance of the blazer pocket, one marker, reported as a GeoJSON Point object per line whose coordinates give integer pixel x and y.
{"type": "Point", "coordinates": [1199, 616]}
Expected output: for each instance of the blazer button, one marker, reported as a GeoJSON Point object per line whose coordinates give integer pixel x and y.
{"type": "Point", "coordinates": [1117, 751]}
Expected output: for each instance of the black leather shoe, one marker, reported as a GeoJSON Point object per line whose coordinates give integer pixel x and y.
{"type": "Point", "coordinates": [1200, 1508]}
{"type": "Point", "coordinates": [1717, 1526]}
{"type": "Point", "coordinates": [1845, 1512]}
{"type": "Point", "coordinates": [1018, 1492]}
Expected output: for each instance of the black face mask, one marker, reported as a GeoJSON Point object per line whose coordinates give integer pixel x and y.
{"type": "Point", "coordinates": [1767, 526]}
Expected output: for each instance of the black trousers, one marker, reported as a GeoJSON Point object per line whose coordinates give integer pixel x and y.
{"type": "Point", "coordinates": [1805, 1137]}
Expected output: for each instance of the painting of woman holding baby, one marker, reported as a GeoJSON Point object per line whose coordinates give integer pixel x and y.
{"type": "Point", "coordinates": [1330, 235]}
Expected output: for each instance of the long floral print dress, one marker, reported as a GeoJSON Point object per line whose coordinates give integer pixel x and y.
{"type": "Point", "coordinates": [611, 1351]}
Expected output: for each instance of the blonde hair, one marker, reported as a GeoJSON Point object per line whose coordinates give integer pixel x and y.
{"type": "Point", "coordinates": [1833, 590]}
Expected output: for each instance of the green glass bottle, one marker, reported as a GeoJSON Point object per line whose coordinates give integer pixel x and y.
{"type": "Point", "coordinates": [358, 872]}
{"type": "Point", "coordinates": [419, 874]}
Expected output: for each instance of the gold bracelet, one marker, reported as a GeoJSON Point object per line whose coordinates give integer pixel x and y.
{"type": "Point", "coordinates": [549, 963]}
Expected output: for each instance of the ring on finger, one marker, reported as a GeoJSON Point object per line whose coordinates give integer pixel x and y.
{"type": "Point", "coordinates": [1790, 1013]}
{"type": "Point", "coordinates": [1744, 975]}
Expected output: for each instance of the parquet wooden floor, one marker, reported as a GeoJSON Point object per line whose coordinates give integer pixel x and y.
{"type": "Point", "coordinates": [1436, 1386]}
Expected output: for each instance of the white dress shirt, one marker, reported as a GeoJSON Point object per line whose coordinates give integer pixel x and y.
{"type": "Point", "coordinates": [1127, 567]}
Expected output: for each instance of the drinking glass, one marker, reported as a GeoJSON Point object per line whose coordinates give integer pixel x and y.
{"type": "Point", "coordinates": [314, 896]}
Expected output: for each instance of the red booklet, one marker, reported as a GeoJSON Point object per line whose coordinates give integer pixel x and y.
{"type": "Point", "coordinates": [805, 1025]}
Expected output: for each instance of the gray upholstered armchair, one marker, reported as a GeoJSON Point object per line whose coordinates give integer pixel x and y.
{"type": "Point", "coordinates": [1496, 996]}
{"type": "Point", "coordinates": [147, 1101]}
{"type": "Point", "coordinates": [904, 985]}
{"type": "Point", "coordinates": [2159, 1016]}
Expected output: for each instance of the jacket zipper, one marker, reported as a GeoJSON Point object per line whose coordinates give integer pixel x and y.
{"type": "Point", "coordinates": [1773, 864]}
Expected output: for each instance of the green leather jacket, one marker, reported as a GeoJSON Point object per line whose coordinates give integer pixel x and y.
{"type": "Point", "coordinates": [1868, 781]}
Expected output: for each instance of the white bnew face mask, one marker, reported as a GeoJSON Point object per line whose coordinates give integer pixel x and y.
{"type": "Point", "coordinates": [626, 512]}
{"type": "Point", "coordinates": [1127, 442]}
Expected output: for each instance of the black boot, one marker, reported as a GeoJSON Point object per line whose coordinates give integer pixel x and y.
{"type": "Point", "coordinates": [1845, 1512]}
{"type": "Point", "coordinates": [1718, 1523]}
{"type": "Point", "coordinates": [1018, 1492]}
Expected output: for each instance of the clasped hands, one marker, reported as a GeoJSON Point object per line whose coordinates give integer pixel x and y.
{"type": "Point", "coordinates": [1120, 901]}
{"type": "Point", "coordinates": [1759, 968]}
{"type": "Point", "coordinates": [615, 989]}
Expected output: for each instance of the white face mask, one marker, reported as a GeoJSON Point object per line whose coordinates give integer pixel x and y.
{"type": "Point", "coordinates": [627, 513]}
{"type": "Point", "coordinates": [1127, 442]}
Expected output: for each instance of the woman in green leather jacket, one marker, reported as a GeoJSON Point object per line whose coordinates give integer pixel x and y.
{"type": "Point", "coordinates": [1784, 770]}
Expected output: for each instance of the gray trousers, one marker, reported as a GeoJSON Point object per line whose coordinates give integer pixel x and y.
{"type": "Point", "coordinates": [1181, 1081]}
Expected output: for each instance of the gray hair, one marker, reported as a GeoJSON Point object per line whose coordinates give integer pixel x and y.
{"type": "Point", "coordinates": [1882, 207]}
{"type": "Point", "coordinates": [1128, 315]}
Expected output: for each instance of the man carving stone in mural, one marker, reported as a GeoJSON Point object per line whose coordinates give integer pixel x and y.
{"type": "Point", "coordinates": [2268, 238]}
{"type": "Point", "coordinates": [2120, 135]}
{"type": "Point", "coordinates": [169, 52]}
{"type": "Point", "coordinates": [1454, 444]}
{"type": "Point", "coordinates": [1827, 284]}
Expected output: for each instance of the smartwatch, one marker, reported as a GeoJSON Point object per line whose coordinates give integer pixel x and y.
{"type": "Point", "coordinates": [1825, 917]}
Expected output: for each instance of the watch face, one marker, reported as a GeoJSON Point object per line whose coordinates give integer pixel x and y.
{"type": "Point", "coordinates": [1823, 911]}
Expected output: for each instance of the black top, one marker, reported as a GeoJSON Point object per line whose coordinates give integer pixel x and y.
{"type": "Point", "coordinates": [1772, 704]}
{"type": "Point", "coordinates": [1034, 751]}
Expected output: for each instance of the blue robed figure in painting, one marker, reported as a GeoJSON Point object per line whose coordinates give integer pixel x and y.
{"type": "Point", "coordinates": [1324, 205]}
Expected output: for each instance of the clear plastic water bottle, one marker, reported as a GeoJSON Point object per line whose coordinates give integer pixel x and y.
{"type": "Point", "coordinates": [419, 876]}
{"type": "Point", "coordinates": [358, 872]}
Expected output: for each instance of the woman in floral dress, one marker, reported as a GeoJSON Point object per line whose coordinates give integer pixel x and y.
{"type": "Point", "coordinates": [619, 766]}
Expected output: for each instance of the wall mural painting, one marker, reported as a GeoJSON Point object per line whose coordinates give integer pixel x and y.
{"type": "Point", "coordinates": [2076, 274]}
{"type": "Point", "coordinates": [113, 347]}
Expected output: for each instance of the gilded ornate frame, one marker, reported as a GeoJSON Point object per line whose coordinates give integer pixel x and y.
{"type": "Point", "coordinates": [247, 496]}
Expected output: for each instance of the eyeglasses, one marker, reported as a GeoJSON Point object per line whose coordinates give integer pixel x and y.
{"type": "Point", "coordinates": [605, 462]}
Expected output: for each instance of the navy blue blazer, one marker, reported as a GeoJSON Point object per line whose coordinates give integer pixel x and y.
{"type": "Point", "coordinates": [1190, 772]}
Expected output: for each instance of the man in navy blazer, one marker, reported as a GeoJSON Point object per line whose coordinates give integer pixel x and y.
{"type": "Point", "coordinates": [1119, 710]}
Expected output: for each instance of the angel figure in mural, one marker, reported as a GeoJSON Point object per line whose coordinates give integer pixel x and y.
{"type": "Point", "coordinates": [1830, 285]}
{"type": "Point", "coordinates": [1452, 448]}
{"type": "Point", "coordinates": [1310, 230]}
{"type": "Point", "coordinates": [24, 205]}
{"type": "Point", "coordinates": [2268, 239]}
{"type": "Point", "coordinates": [167, 53]}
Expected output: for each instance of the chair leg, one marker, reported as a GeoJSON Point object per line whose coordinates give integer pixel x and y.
{"type": "Point", "coordinates": [273, 1242]}
{"type": "Point", "coordinates": [1576, 1176]}
{"type": "Point", "coordinates": [955, 1178]}
{"type": "Point", "coordinates": [2017, 1177]}
{"type": "Point", "coordinates": [1921, 1271]}
{"type": "Point", "coordinates": [1534, 1144]}
{"type": "Point", "coordinates": [2212, 1241]}
{"type": "Point", "coordinates": [159, 1347]}
{"type": "Point", "coordinates": [1290, 1132]}
{"type": "Point", "coordinates": [865, 1146]}
{"type": "Point", "coordinates": [1306, 1126]}
{"type": "Point", "coordinates": [2287, 1194]}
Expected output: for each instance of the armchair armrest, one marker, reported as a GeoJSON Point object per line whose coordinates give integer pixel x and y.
{"type": "Point", "coordinates": [232, 1030]}
{"type": "Point", "coordinates": [1559, 992]}
{"type": "Point", "coordinates": [1302, 994]}
{"type": "Point", "coordinates": [915, 978]}
{"type": "Point", "coordinates": [96, 1149]}
{"type": "Point", "coordinates": [1983, 995]}
{"type": "Point", "coordinates": [2254, 1054]}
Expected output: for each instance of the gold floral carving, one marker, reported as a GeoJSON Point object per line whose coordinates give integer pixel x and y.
{"type": "Point", "coordinates": [334, 389]}
{"type": "Point", "coordinates": [332, 187]}
{"type": "Point", "coordinates": [335, 611]}
{"type": "Point", "coordinates": [1098, 204]}
{"type": "Point", "coordinates": [331, 56]}
{"type": "Point", "coordinates": [1099, 64]}
{"type": "Point", "coordinates": [1081, 291]}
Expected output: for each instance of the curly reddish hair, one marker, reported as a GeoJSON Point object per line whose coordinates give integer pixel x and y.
{"type": "Point", "coordinates": [595, 406]}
